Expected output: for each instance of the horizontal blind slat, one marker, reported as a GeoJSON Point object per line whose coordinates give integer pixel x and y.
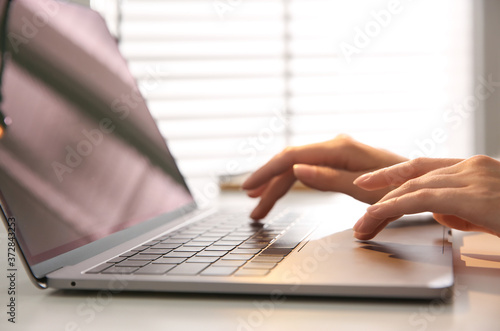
{"type": "Point", "coordinates": [214, 80]}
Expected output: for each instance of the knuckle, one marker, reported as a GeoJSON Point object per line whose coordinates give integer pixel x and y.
{"type": "Point", "coordinates": [423, 195]}
{"type": "Point", "coordinates": [287, 154]}
{"type": "Point", "coordinates": [394, 201]}
{"type": "Point", "coordinates": [343, 137]}
{"type": "Point", "coordinates": [345, 143]}
{"type": "Point", "coordinates": [288, 150]}
{"type": "Point", "coordinates": [480, 160]}
{"type": "Point", "coordinates": [414, 167]}
{"type": "Point", "coordinates": [419, 162]}
{"type": "Point", "coordinates": [343, 140]}
{"type": "Point", "coordinates": [408, 185]}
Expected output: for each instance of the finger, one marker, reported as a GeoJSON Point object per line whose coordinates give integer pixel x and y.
{"type": "Point", "coordinates": [412, 203]}
{"type": "Point", "coordinates": [376, 226]}
{"type": "Point", "coordinates": [440, 200]}
{"type": "Point", "coordinates": [282, 162]}
{"type": "Point", "coordinates": [431, 180]}
{"type": "Point", "coordinates": [273, 192]}
{"type": "Point", "coordinates": [341, 152]}
{"type": "Point", "coordinates": [257, 192]}
{"type": "Point", "coordinates": [333, 180]}
{"type": "Point", "coordinates": [400, 173]}
{"type": "Point", "coordinates": [323, 178]}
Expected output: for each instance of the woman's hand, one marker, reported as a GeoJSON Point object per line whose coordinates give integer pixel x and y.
{"type": "Point", "coordinates": [328, 166]}
{"type": "Point", "coordinates": [462, 194]}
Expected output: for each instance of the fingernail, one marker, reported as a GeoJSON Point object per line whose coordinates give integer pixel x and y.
{"type": "Point", "coordinates": [373, 208]}
{"type": "Point", "coordinates": [256, 213]}
{"type": "Point", "coordinates": [363, 178]}
{"type": "Point", "coordinates": [358, 225]}
{"type": "Point", "coordinates": [304, 171]}
{"type": "Point", "coordinates": [362, 236]}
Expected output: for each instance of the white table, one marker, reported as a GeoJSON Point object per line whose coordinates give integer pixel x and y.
{"type": "Point", "coordinates": [476, 304]}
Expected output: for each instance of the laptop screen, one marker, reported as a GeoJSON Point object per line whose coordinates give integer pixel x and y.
{"type": "Point", "coordinates": [81, 157]}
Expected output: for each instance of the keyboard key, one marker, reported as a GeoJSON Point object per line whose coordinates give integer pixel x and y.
{"type": "Point", "coordinates": [292, 237]}
{"type": "Point", "coordinates": [246, 245]}
{"type": "Point", "coordinates": [198, 244]}
{"type": "Point", "coordinates": [259, 265]}
{"type": "Point", "coordinates": [236, 238]}
{"type": "Point", "coordinates": [184, 236]}
{"type": "Point", "coordinates": [201, 228]}
{"type": "Point", "coordinates": [188, 249]}
{"type": "Point", "coordinates": [216, 233]}
{"type": "Point", "coordinates": [128, 254]}
{"type": "Point", "coordinates": [163, 245]}
{"type": "Point", "coordinates": [228, 242]}
{"type": "Point", "coordinates": [154, 269]}
{"type": "Point", "coordinates": [99, 268]}
{"type": "Point", "coordinates": [276, 251]}
{"type": "Point", "coordinates": [229, 263]}
{"type": "Point", "coordinates": [189, 232]}
{"type": "Point", "coordinates": [156, 251]}
{"type": "Point", "coordinates": [219, 271]}
{"type": "Point", "coordinates": [245, 251]}
{"type": "Point", "coordinates": [120, 270]}
{"type": "Point", "coordinates": [242, 257]}
{"type": "Point", "coordinates": [264, 237]}
{"type": "Point", "coordinates": [225, 228]}
{"type": "Point", "coordinates": [257, 241]}
{"type": "Point", "coordinates": [171, 260]}
{"type": "Point", "coordinates": [145, 257]}
{"type": "Point", "coordinates": [212, 253]}
{"type": "Point", "coordinates": [219, 248]}
{"type": "Point", "coordinates": [202, 259]}
{"type": "Point", "coordinates": [270, 232]}
{"type": "Point", "coordinates": [206, 238]}
{"type": "Point", "coordinates": [252, 272]}
{"type": "Point", "coordinates": [188, 269]}
{"type": "Point", "coordinates": [174, 241]}
{"type": "Point", "coordinates": [180, 254]}
{"type": "Point", "coordinates": [132, 263]}
{"type": "Point", "coordinates": [268, 258]}
{"type": "Point", "coordinates": [139, 248]}
{"type": "Point", "coordinates": [253, 225]}
{"type": "Point", "coordinates": [246, 233]}
{"type": "Point", "coordinates": [117, 259]}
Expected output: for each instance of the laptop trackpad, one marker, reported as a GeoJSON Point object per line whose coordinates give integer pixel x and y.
{"type": "Point", "coordinates": [409, 253]}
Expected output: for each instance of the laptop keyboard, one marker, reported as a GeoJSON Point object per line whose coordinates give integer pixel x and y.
{"type": "Point", "coordinates": [222, 244]}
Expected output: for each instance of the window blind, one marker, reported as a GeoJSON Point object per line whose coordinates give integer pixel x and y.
{"type": "Point", "coordinates": [232, 82]}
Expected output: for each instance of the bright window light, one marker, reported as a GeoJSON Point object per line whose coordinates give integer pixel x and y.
{"type": "Point", "coordinates": [239, 80]}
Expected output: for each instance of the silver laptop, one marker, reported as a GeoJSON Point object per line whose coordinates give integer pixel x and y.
{"type": "Point", "coordinates": [97, 202]}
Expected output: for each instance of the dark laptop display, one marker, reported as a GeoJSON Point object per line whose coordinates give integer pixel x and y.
{"type": "Point", "coordinates": [82, 158]}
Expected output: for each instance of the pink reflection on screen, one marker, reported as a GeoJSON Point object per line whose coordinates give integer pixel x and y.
{"type": "Point", "coordinates": [72, 168]}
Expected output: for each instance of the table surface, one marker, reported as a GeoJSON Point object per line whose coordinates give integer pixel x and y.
{"type": "Point", "coordinates": [475, 304]}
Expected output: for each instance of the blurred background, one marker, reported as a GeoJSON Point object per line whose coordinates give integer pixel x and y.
{"type": "Point", "coordinates": [232, 82]}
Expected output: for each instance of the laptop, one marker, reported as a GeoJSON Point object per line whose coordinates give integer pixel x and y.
{"type": "Point", "coordinates": [97, 202]}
